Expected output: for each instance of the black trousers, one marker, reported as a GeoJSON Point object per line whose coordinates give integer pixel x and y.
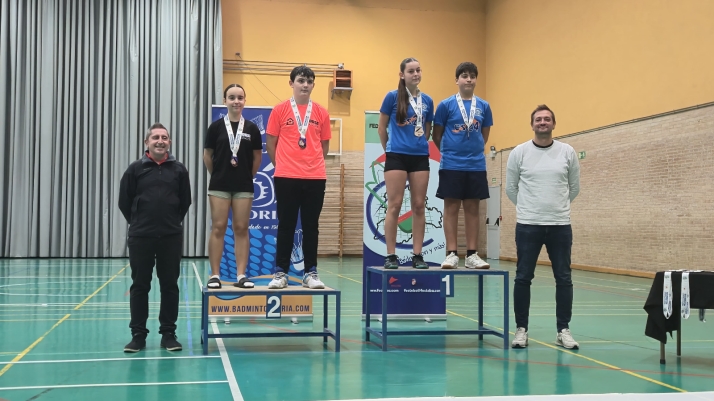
{"type": "Point", "coordinates": [304, 197]}
{"type": "Point", "coordinates": [143, 252]}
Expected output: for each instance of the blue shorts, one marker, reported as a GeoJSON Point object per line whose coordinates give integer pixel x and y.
{"type": "Point", "coordinates": [456, 184]}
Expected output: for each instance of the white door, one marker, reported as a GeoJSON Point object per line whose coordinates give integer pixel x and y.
{"type": "Point", "coordinates": [493, 227]}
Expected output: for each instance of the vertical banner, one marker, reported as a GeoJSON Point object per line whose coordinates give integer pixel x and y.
{"type": "Point", "coordinates": [263, 229]}
{"type": "Point", "coordinates": [416, 296]}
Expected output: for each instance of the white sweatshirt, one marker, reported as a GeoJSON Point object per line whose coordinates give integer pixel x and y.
{"type": "Point", "coordinates": [542, 182]}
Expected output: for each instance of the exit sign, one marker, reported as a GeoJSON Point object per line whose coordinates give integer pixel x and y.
{"type": "Point", "coordinates": [581, 155]}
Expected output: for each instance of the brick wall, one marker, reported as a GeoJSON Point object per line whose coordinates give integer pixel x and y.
{"type": "Point", "coordinates": [353, 205]}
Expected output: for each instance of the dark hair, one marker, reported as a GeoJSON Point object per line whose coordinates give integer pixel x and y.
{"type": "Point", "coordinates": [542, 107]}
{"type": "Point", "coordinates": [156, 126]}
{"type": "Point", "coordinates": [303, 70]}
{"type": "Point", "coordinates": [402, 96]}
{"type": "Point", "coordinates": [466, 66]}
{"type": "Point", "coordinates": [225, 92]}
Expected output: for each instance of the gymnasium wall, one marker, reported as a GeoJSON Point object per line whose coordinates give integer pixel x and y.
{"type": "Point", "coordinates": [371, 38]}
{"type": "Point", "coordinates": [645, 201]}
{"type": "Point", "coordinates": [595, 62]}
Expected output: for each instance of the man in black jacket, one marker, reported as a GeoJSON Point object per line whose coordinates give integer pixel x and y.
{"type": "Point", "coordinates": [154, 196]}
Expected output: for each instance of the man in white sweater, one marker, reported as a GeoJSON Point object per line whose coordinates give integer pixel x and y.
{"type": "Point", "coordinates": [542, 179]}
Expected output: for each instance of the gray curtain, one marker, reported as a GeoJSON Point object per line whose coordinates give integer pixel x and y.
{"type": "Point", "coordinates": [80, 82]}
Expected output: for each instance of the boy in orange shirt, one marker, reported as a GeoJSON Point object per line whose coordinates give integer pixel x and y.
{"type": "Point", "coordinates": [298, 138]}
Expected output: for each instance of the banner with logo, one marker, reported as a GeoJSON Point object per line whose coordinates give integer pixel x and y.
{"type": "Point", "coordinates": [263, 231]}
{"type": "Point", "coordinates": [416, 296]}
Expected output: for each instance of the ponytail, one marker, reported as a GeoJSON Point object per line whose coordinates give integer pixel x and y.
{"type": "Point", "coordinates": [402, 102]}
{"type": "Point", "coordinates": [402, 95]}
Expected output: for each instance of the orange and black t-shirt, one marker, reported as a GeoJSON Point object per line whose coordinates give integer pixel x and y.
{"type": "Point", "coordinates": [292, 161]}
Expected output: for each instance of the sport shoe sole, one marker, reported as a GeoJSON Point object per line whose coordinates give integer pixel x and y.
{"type": "Point", "coordinates": [172, 348]}
{"type": "Point", "coordinates": [560, 343]}
{"type": "Point", "coordinates": [447, 266]}
{"type": "Point", "coordinates": [519, 346]}
{"type": "Point", "coordinates": [132, 350]}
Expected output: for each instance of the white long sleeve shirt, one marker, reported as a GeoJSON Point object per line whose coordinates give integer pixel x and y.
{"type": "Point", "coordinates": [542, 182]}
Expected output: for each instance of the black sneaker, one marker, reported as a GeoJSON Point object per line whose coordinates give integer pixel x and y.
{"type": "Point", "coordinates": [418, 262]}
{"type": "Point", "coordinates": [169, 342]}
{"type": "Point", "coordinates": [391, 262]}
{"type": "Point", "coordinates": [137, 344]}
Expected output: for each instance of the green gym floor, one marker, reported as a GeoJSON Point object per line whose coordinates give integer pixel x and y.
{"type": "Point", "coordinates": [64, 324]}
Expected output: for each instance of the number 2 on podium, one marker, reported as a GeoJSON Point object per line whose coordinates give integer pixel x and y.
{"type": "Point", "coordinates": [273, 307]}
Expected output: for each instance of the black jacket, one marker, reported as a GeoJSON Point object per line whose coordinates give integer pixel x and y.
{"type": "Point", "coordinates": [154, 198]}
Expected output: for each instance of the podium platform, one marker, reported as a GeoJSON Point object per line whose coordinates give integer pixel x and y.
{"type": "Point", "coordinates": [447, 285]}
{"type": "Point", "coordinates": [273, 305]}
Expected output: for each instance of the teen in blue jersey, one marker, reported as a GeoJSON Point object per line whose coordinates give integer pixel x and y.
{"type": "Point", "coordinates": [461, 127]}
{"type": "Point", "coordinates": [404, 127]}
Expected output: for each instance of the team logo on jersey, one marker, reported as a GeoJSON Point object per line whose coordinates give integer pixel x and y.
{"type": "Point", "coordinates": [290, 121]}
{"type": "Point", "coordinates": [462, 128]}
{"type": "Point", "coordinates": [410, 121]}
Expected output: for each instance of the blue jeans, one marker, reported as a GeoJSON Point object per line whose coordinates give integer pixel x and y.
{"type": "Point", "coordinates": [558, 241]}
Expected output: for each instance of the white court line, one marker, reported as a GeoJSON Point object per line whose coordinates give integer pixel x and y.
{"type": "Point", "coordinates": [52, 312]}
{"type": "Point", "coordinates": [577, 397]}
{"type": "Point", "coordinates": [52, 282]}
{"type": "Point", "coordinates": [198, 277]}
{"type": "Point", "coordinates": [110, 359]}
{"type": "Point", "coordinates": [111, 385]}
{"type": "Point", "coordinates": [232, 382]}
{"type": "Point", "coordinates": [50, 295]}
{"type": "Point", "coordinates": [81, 278]}
{"type": "Point", "coordinates": [104, 305]}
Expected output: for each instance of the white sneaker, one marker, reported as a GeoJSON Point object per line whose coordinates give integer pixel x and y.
{"type": "Point", "coordinates": [451, 261]}
{"type": "Point", "coordinates": [474, 262]}
{"type": "Point", "coordinates": [565, 340]}
{"type": "Point", "coordinates": [521, 340]}
{"type": "Point", "coordinates": [280, 280]}
{"type": "Point", "coordinates": [310, 280]}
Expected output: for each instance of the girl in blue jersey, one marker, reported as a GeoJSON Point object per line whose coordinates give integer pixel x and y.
{"type": "Point", "coordinates": [461, 127]}
{"type": "Point", "coordinates": [404, 127]}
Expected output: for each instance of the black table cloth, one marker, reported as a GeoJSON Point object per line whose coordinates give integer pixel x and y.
{"type": "Point", "coordinates": [701, 291]}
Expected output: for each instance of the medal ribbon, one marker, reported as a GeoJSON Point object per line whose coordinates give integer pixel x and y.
{"type": "Point", "coordinates": [685, 298]}
{"type": "Point", "coordinates": [472, 113]}
{"type": "Point", "coordinates": [302, 125]}
{"type": "Point", "coordinates": [234, 139]}
{"type": "Point", "coordinates": [667, 295]}
{"type": "Point", "coordinates": [417, 107]}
